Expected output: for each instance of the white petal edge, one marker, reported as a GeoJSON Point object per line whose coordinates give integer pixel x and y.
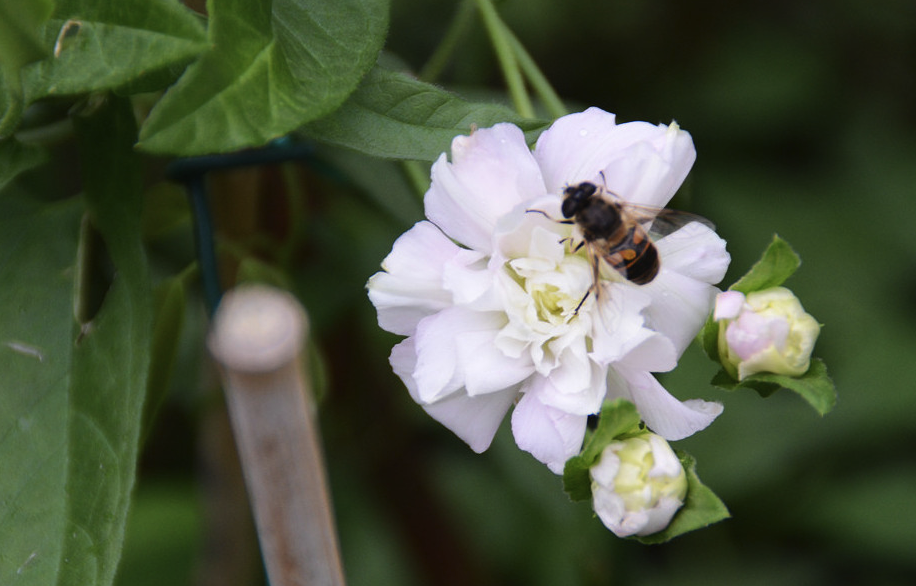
{"type": "Point", "coordinates": [550, 435]}
{"type": "Point", "coordinates": [663, 413]}
{"type": "Point", "coordinates": [492, 171]}
{"type": "Point", "coordinates": [475, 420]}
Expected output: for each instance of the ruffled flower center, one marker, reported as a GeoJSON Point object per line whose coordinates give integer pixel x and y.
{"type": "Point", "coordinates": [553, 290]}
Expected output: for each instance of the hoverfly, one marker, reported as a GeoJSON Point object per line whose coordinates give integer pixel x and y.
{"type": "Point", "coordinates": [617, 232]}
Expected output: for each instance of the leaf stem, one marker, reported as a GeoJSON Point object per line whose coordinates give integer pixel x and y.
{"type": "Point", "coordinates": [416, 176]}
{"type": "Point", "coordinates": [502, 45]}
{"type": "Point", "coordinates": [536, 78]}
{"type": "Point", "coordinates": [433, 67]}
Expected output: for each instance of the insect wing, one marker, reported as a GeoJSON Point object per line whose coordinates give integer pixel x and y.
{"type": "Point", "coordinates": [668, 221]}
{"type": "Point", "coordinates": [659, 222]}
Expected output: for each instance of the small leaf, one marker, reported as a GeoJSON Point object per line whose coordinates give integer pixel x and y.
{"type": "Point", "coordinates": [815, 386]}
{"type": "Point", "coordinates": [777, 264]}
{"type": "Point", "coordinates": [272, 67]}
{"type": "Point", "coordinates": [701, 507]}
{"type": "Point", "coordinates": [104, 45]}
{"type": "Point", "coordinates": [618, 419]}
{"type": "Point", "coordinates": [392, 115]}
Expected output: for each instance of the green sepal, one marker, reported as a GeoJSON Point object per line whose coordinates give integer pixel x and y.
{"type": "Point", "coordinates": [777, 264]}
{"type": "Point", "coordinates": [701, 507]}
{"type": "Point", "coordinates": [618, 419]}
{"type": "Point", "coordinates": [709, 339]}
{"type": "Point", "coordinates": [815, 386]}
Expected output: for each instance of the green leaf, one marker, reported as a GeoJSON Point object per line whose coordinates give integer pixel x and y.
{"type": "Point", "coordinates": [618, 419]}
{"type": "Point", "coordinates": [776, 265]}
{"type": "Point", "coordinates": [111, 357]}
{"type": "Point", "coordinates": [19, 41]}
{"type": "Point", "coordinates": [104, 45]}
{"type": "Point", "coordinates": [37, 248]}
{"type": "Point", "coordinates": [16, 158]}
{"type": "Point", "coordinates": [19, 46]}
{"type": "Point", "coordinates": [701, 507]}
{"type": "Point", "coordinates": [395, 116]}
{"type": "Point", "coordinates": [272, 67]}
{"type": "Point", "coordinates": [815, 386]}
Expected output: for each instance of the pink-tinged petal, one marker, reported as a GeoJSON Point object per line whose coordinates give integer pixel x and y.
{"type": "Point", "coordinates": [491, 172]}
{"type": "Point", "coordinates": [728, 305]}
{"type": "Point", "coordinates": [411, 287]}
{"type": "Point", "coordinates": [641, 162]}
{"type": "Point", "coordinates": [663, 413]}
{"type": "Point", "coordinates": [680, 307]}
{"type": "Point", "coordinates": [695, 251]}
{"type": "Point", "coordinates": [550, 435]}
{"type": "Point", "coordinates": [473, 419]}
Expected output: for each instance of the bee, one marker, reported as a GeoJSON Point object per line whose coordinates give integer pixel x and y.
{"type": "Point", "coordinates": [618, 232]}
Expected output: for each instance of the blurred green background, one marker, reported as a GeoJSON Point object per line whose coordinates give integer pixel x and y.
{"type": "Point", "coordinates": [804, 117]}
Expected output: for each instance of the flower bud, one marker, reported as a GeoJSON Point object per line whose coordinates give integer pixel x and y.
{"type": "Point", "coordinates": [766, 331]}
{"type": "Point", "coordinates": [638, 484]}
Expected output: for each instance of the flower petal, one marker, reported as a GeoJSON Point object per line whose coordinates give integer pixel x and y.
{"type": "Point", "coordinates": [411, 286]}
{"type": "Point", "coordinates": [440, 367]}
{"type": "Point", "coordinates": [663, 413]}
{"type": "Point", "coordinates": [550, 435]}
{"type": "Point", "coordinates": [641, 162]}
{"type": "Point", "coordinates": [473, 419]}
{"type": "Point", "coordinates": [680, 306]}
{"type": "Point", "coordinates": [695, 251]}
{"type": "Point", "coordinates": [491, 172]}
{"type": "Point", "coordinates": [619, 333]}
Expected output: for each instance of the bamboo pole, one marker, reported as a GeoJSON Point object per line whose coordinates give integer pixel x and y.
{"type": "Point", "coordinates": [257, 337]}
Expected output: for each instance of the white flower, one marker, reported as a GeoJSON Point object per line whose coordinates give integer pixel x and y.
{"type": "Point", "coordinates": [638, 485]}
{"type": "Point", "coordinates": [766, 331]}
{"type": "Point", "coordinates": [486, 291]}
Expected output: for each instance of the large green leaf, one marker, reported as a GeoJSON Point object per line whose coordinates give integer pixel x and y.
{"type": "Point", "coordinates": [37, 249]}
{"type": "Point", "coordinates": [110, 357]}
{"type": "Point", "coordinates": [395, 116]}
{"type": "Point", "coordinates": [71, 394]}
{"type": "Point", "coordinates": [272, 67]}
{"type": "Point", "coordinates": [104, 45]}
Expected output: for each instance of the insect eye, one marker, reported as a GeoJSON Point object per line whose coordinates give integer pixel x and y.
{"type": "Point", "coordinates": [587, 189]}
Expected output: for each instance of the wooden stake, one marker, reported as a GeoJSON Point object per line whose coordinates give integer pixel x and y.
{"type": "Point", "coordinates": [257, 337]}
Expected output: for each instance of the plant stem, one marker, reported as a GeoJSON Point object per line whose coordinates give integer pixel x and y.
{"type": "Point", "coordinates": [539, 83]}
{"type": "Point", "coordinates": [440, 57]}
{"type": "Point", "coordinates": [417, 176]}
{"type": "Point", "coordinates": [506, 56]}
